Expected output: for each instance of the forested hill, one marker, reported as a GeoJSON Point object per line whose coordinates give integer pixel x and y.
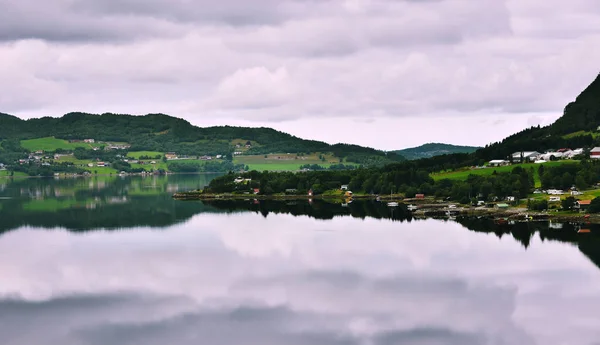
{"type": "Point", "coordinates": [577, 128]}
{"type": "Point", "coordinates": [159, 132]}
{"type": "Point", "coordinates": [434, 149]}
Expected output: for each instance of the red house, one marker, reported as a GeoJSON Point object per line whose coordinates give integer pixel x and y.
{"type": "Point", "coordinates": [256, 190]}
{"type": "Point", "coordinates": [595, 153]}
{"type": "Point", "coordinates": [420, 196]}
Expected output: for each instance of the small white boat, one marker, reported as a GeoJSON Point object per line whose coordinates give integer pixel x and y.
{"type": "Point", "coordinates": [392, 204]}
{"type": "Point", "coordinates": [412, 207]}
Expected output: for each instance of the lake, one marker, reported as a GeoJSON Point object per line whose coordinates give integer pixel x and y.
{"type": "Point", "coordinates": [114, 260]}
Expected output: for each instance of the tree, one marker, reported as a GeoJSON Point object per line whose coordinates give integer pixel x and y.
{"type": "Point", "coordinates": [595, 206]}
{"type": "Point", "coordinates": [568, 203]}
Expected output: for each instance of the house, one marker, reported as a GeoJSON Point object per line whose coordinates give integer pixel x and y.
{"type": "Point", "coordinates": [89, 141]}
{"type": "Point", "coordinates": [525, 155]}
{"type": "Point", "coordinates": [497, 163]}
{"type": "Point", "coordinates": [344, 187]}
{"type": "Point", "coordinates": [420, 196]}
{"type": "Point", "coordinates": [502, 206]}
{"type": "Point", "coordinates": [510, 198]}
{"type": "Point", "coordinates": [555, 192]}
{"type": "Point", "coordinates": [573, 153]}
{"type": "Point", "coordinates": [310, 192]}
{"type": "Point", "coordinates": [218, 156]}
{"type": "Point", "coordinates": [170, 155]}
{"type": "Point", "coordinates": [90, 165]}
{"type": "Point", "coordinates": [554, 199]}
{"type": "Point", "coordinates": [548, 156]}
{"type": "Point", "coordinates": [256, 190]}
{"type": "Point", "coordinates": [100, 164]}
{"type": "Point", "coordinates": [290, 191]}
{"type": "Point", "coordinates": [582, 204]}
{"type": "Point", "coordinates": [576, 192]}
{"type": "Point", "coordinates": [348, 194]}
{"type": "Point", "coordinates": [39, 152]}
{"type": "Point", "coordinates": [238, 180]}
{"type": "Point", "coordinates": [595, 153]}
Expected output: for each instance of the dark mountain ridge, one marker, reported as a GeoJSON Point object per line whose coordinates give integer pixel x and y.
{"type": "Point", "coordinates": [434, 149]}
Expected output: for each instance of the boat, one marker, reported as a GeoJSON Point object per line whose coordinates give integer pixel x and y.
{"type": "Point", "coordinates": [392, 203]}
{"type": "Point", "coordinates": [412, 207]}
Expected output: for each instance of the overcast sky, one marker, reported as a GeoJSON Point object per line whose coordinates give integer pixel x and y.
{"type": "Point", "coordinates": [383, 73]}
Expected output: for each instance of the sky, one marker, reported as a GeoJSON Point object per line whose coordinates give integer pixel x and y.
{"type": "Point", "coordinates": [388, 74]}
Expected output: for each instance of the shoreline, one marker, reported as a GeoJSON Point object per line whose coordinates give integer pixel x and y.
{"type": "Point", "coordinates": [116, 175]}
{"type": "Point", "coordinates": [424, 210]}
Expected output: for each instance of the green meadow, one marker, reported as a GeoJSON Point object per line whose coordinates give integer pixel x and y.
{"type": "Point", "coordinates": [51, 144]}
{"type": "Point", "coordinates": [463, 174]}
{"type": "Point", "coordinates": [283, 161]}
{"type": "Point", "coordinates": [138, 154]}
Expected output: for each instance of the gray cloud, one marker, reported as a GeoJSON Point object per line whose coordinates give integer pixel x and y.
{"type": "Point", "coordinates": [266, 61]}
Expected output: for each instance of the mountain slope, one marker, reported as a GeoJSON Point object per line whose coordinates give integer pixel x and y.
{"type": "Point", "coordinates": [160, 132]}
{"type": "Point", "coordinates": [434, 149]}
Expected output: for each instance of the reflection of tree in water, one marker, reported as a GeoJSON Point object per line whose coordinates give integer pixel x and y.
{"type": "Point", "coordinates": [318, 209]}
{"type": "Point", "coordinates": [98, 203]}
{"type": "Point", "coordinates": [117, 203]}
{"type": "Point", "coordinates": [523, 232]}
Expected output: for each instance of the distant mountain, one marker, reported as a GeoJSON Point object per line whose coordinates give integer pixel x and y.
{"type": "Point", "coordinates": [434, 149]}
{"type": "Point", "coordinates": [160, 132]}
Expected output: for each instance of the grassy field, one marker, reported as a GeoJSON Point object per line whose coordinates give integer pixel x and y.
{"type": "Point", "coordinates": [51, 144]}
{"type": "Point", "coordinates": [580, 133]}
{"type": "Point", "coordinates": [101, 170]}
{"type": "Point", "coordinates": [138, 154]}
{"type": "Point", "coordinates": [283, 161]}
{"type": "Point", "coordinates": [6, 173]}
{"type": "Point", "coordinates": [463, 174]}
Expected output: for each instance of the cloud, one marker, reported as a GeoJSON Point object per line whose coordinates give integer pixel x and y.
{"type": "Point", "coordinates": [347, 281]}
{"type": "Point", "coordinates": [254, 88]}
{"type": "Point", "coordinates": [299, 61]}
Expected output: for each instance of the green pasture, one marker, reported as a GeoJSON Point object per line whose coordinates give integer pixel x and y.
{"type": "Point", "coordinates": [463, 174]}
{"type": "Point", "coordinates": [138, 154]}
{"type": "Point", "coordinates": [6, 173]}
{"type": "Point", "coordinates": [51, 144]}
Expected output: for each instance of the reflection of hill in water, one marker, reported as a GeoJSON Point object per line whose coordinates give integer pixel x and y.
{"type": "Point", "coordinates": [117, 203]}
{"type": "Point", "coordinates": [102, 202]}
{"type": "Point", "coordinates": [523, 232]}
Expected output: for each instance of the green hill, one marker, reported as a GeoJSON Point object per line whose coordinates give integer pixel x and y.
{"type": "Point", "coordinates": [163, 133]}
{"type": "Point", "coordinates": [434, 149]}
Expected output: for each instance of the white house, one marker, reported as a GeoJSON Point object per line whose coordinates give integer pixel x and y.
{"type": "Point", "coordinates": [527, 156]}
{"type": "Point", "coordinates": [551, 155]}
{"type": "Point", "coordinates": [344, 187]}
{"type": "Point", "coordinates": [573, 153]}
{"type": "Point", "coordinates": [554, 199]}
{"type": "Point", "coordinates": [497, 163]}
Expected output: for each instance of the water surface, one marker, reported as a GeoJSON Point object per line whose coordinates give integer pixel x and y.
{"type": "Point", "coordinates": [140, 268]}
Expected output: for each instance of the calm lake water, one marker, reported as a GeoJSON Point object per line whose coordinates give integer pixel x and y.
{"type": "Point", "coordinates": [113, 260]}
